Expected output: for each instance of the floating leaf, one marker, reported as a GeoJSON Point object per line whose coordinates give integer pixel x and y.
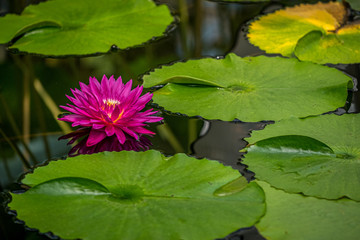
{"type": "Point", "coordinates": [338, 132]}
{"type": "Point", "coordinates": [355, 4]}
{"type": "Point", "coordinates": [294, 216]}
{"type": "Point", "coordinates": [248, 89]}
{"type": "Point", "coordinates": [343, 47]}
{"type": "Point", "coordinates": [68, 27]}
{"type": "Point", "coordinates": [324, 162]}
{"type": "Point", "coordinates": [316, 33]}
{"type": "Point", "coordinates": [137, 195]}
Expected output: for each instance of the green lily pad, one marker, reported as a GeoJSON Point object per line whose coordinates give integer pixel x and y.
{"type": "Point", "coordinates": [294, 217]}
{"type": "Point", "coordinates": [69, 27]}
{"type": "Point", "coordinates": [138, 195]}
{"type": "Point", "coordinates": [331, 48]}
{"type": "Point", "coordinates": [324, 162]}
{"type": "Point", "coordinates": [318, 33]}
{"type": "Point", "coordinates": [248, 88]}
{"type": "Point", "coordinates": [355, 4]}
{"type": "Point", "coordinates": [340, 133]}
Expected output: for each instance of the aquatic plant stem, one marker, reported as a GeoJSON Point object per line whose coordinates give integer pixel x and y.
{"type": "Point", "coordinates": [6, 165]}
{"type": "Point", "coordinates": [26, 101]}
{"type": "Point", "coordinates": [166, 133]}
{"type": "Point", "coordinates": [42, 123]}
{"type": "Point", "coordinates": [25, 66]}
{"type": "Point", "coordinates": [16, 149]}
{"type": "Point", "coordinates": [198, 28]}
{"type": "Point", "coordinates": [16, 129]}
{"type": "Point", "coordinates": [184, 24]}
{"type": "Point", "coordinates": [51, 105]}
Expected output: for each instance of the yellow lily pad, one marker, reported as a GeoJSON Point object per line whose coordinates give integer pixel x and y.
{"type": "Point", "coordinates": [318, 33]}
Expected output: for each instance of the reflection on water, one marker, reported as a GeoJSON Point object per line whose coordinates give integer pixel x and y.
{"type": "Point", "coordinates": [29, 129]}
{"type": "Point", "coordinates": [108, 144]}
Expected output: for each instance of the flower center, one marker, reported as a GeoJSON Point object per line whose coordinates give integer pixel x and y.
{"type": "Point", "coordinates": [109, 106]}
{"type": "Point", "coordinates": [111, 102]}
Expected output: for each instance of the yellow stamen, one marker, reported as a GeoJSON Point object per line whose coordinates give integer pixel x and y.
{"type": "Point", "coordinates": [111, 102]}
{"type": "Point", "coordinates": [119, 117]}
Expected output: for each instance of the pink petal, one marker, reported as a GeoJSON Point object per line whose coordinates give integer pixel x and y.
{"type": "Point", "coordinates": [144, 99]}
{"type": "Point", "coordinates": [73, 100]}
{"type": "Point", "coordinates": [96, 121]}
{"type": "Point", "coordinates": [85, 123]}
{"type": "Point", "coordinates": [119, 79]}
{"type": "Point", "coordinates": [111, 86]}
{"type": "Point", "coordinates": [142, 130]}
{"type": "Point", "coordinates": [105, 86]}
{"type": "Point", "coordinates": [130, 132]}
{"type": "Point", "coordinates": [103, 115]}
{"type": "Point", "coordinates": [69, 108]}
{"type": "Point", "coordinates": [84, 87]}
{"type": "Point", "coordinates": [71, 118]}
{"type": "Point", "coordinates": [109, 130]}
{"type": "Point", "coordinates": [136, 92]}
{"type": "Point", "coordinates": [126, 89]}
{"type": "Point", "coordinates": [118, 88]}
{"type": "Point", "coordinates": [95, 137]}
{"type": "Point", "coordinates": [115, 116]}
{"type": "Point", "coordinates": [98, 126]}
{"type": "Point", "coordinates": [120, 135]}
{"type": "Point", "coordinates": [130, 124]}
{"type": "Point", "coordinates": [94, 86]}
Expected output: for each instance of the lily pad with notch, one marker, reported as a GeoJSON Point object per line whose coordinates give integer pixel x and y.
{"type": "Point", "coordinates": [113, 195]}
{"type": "Point", "coordinates": [355, 4]}
{"type": "Point", "coordinates": [248, 89]}
{"type": "Point", "coordinates": [319, 33]}
{"type": "Point", "coordinates": [80, 27]}
{"type": "Point", "coordinates": [324, 161]}
{"type": "Point", "coordinates": [294, 216]}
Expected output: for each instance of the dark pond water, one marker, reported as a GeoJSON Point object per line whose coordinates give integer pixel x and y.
{"type": "Point", "coordinates": [29, 131]}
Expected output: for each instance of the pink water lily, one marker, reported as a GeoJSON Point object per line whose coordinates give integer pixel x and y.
{"type": "Point", "coordinates": [110, 109]}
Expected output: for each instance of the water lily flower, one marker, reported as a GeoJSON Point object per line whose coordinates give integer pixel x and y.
{"type": "Point", "coordinates": [109, 109]}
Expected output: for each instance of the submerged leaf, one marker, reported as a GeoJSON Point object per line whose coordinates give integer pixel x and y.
{"type": "Point", "coordinates": [316, 33]}
{"type": "Point", "coordinates": [248, 88]}
{"type": "Point", "coordinates": [136, 195]}
{"type": "Point", "coordinates": [296, 217]}
{"type": "Point", "coordinates": [324, 162]}
{"type": "Point", "coordinates": [69, 27]}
